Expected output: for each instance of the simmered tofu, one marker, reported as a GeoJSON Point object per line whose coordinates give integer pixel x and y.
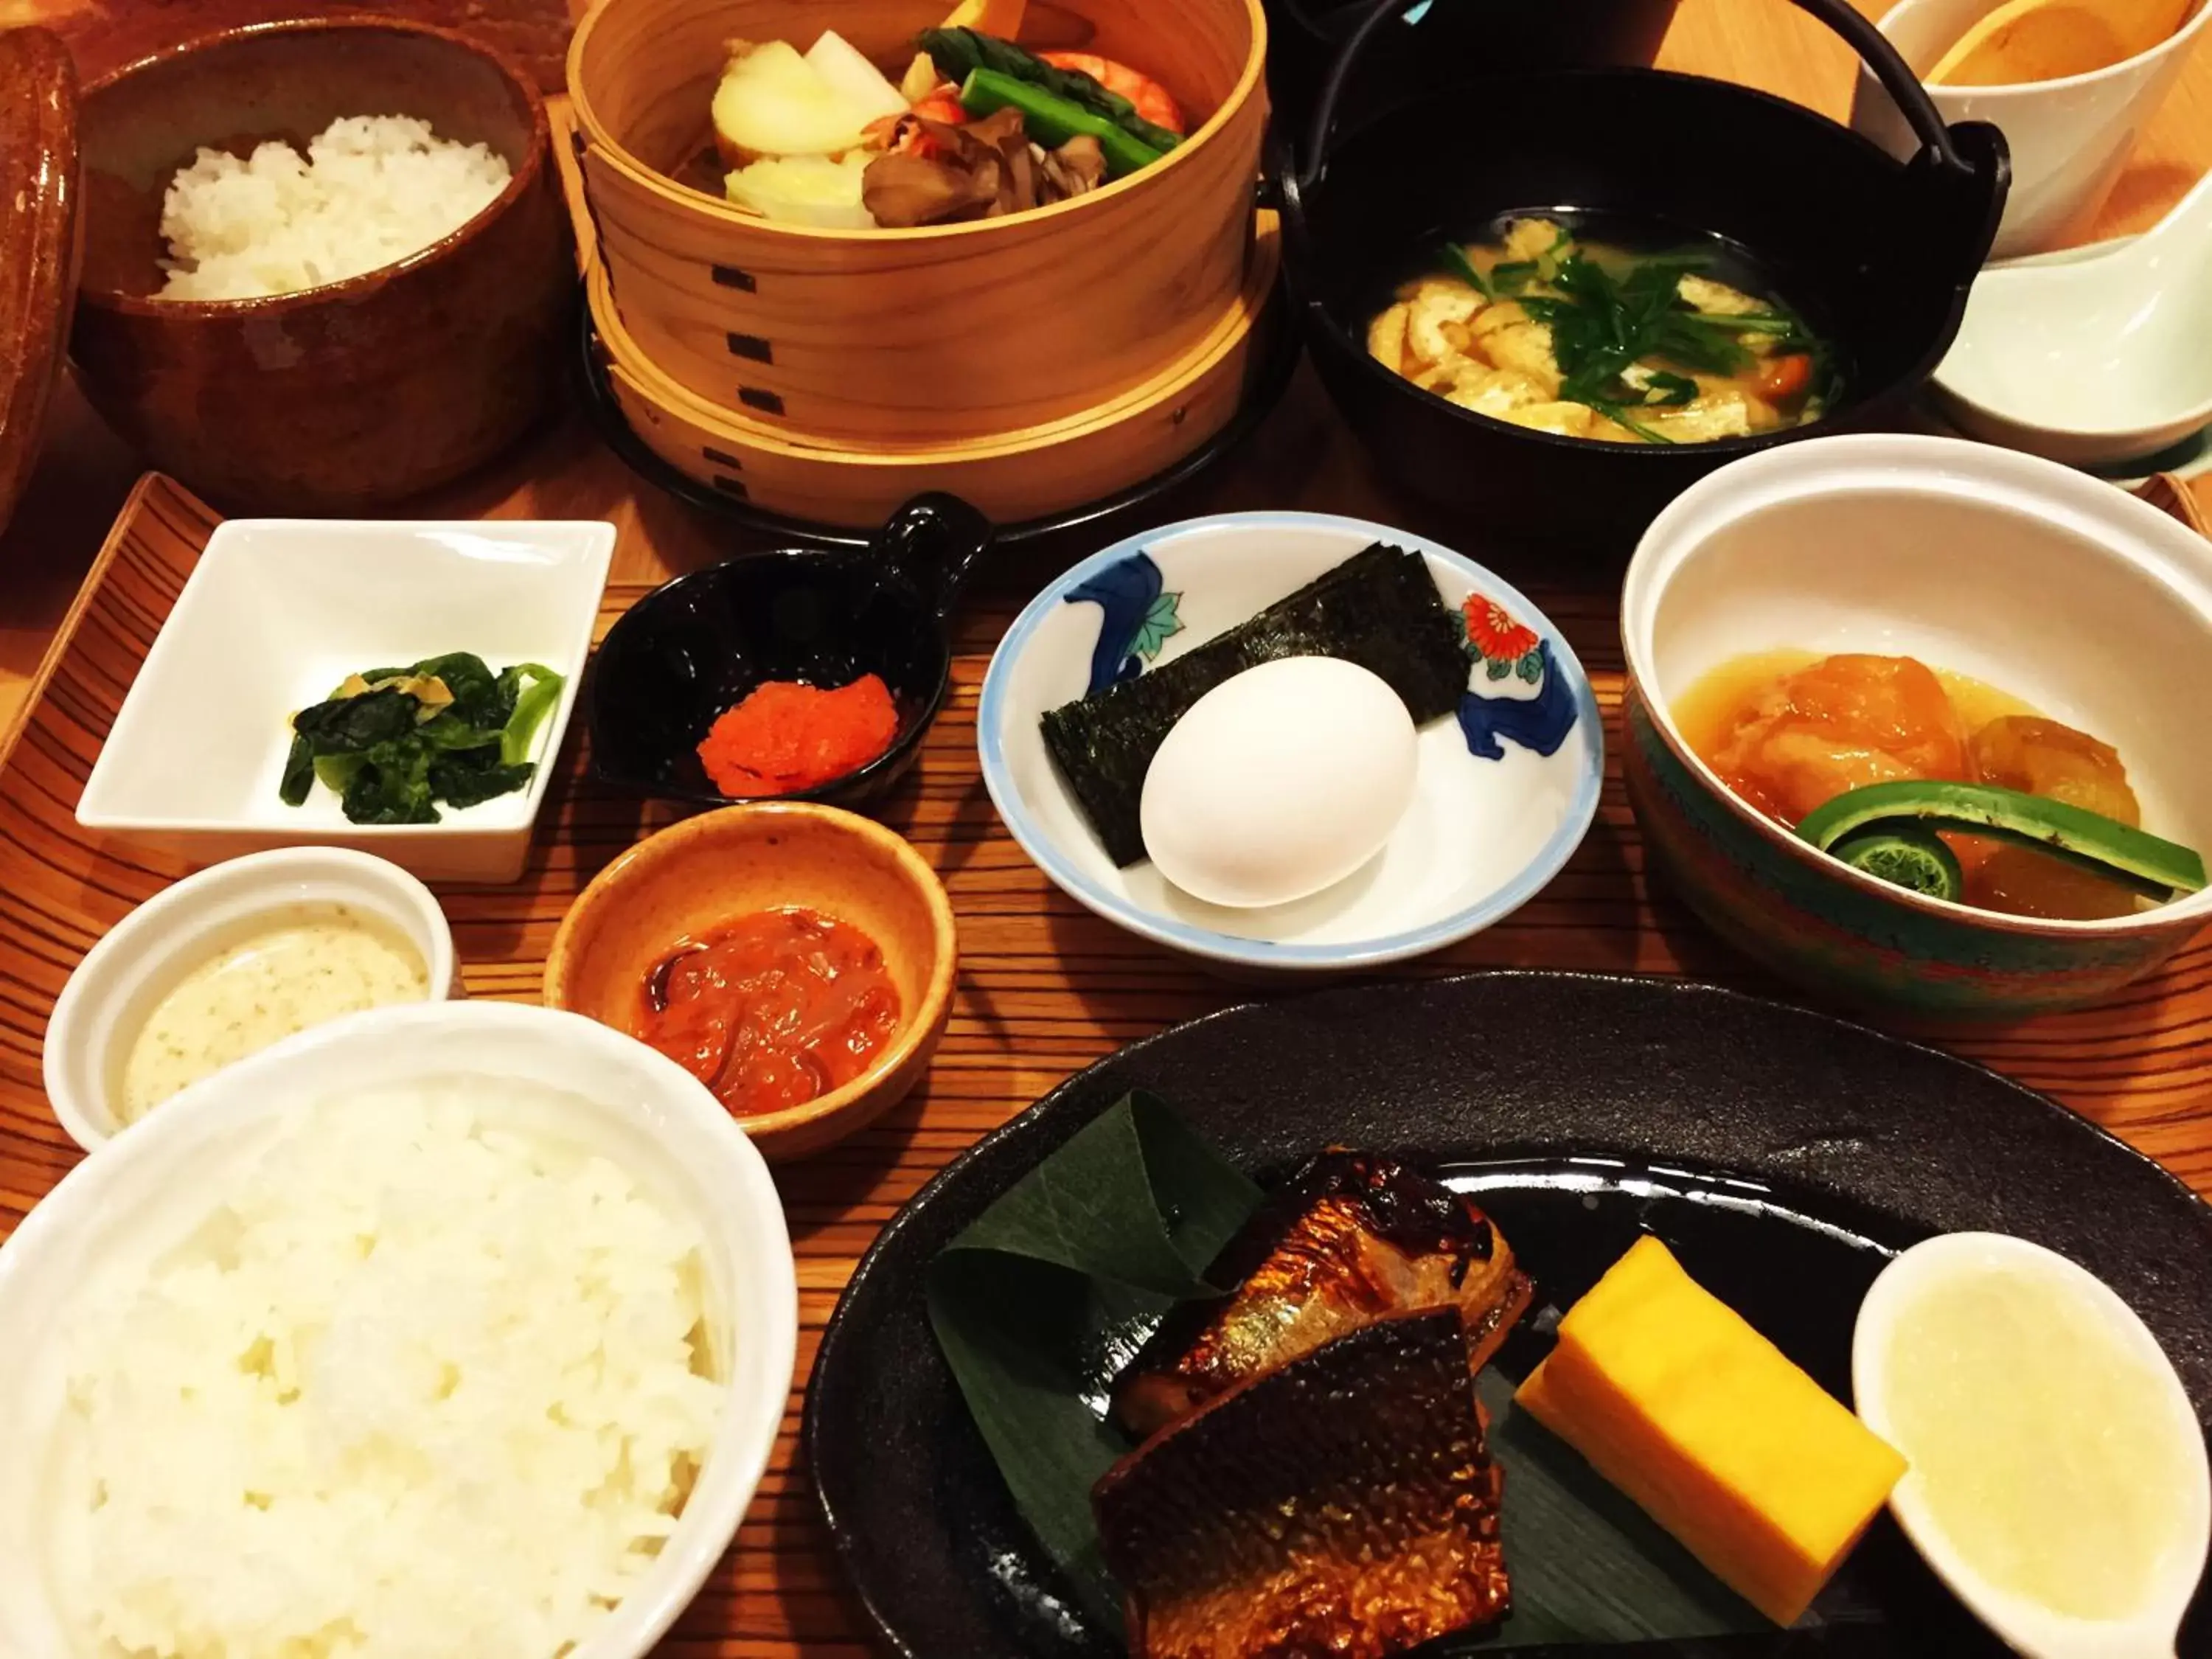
{"type": "Point", "coordinates": [1512, 340]}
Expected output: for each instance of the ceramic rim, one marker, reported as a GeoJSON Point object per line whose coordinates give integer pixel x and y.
{"type": "Point", "coordinates": [1574, 824]}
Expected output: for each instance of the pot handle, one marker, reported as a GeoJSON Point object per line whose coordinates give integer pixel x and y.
{"type": "Point", "coordinates": [1872, 46]}
{"type": "Point", "coordinates": [934, 541]}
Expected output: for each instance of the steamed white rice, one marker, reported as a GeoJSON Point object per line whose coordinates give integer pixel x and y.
{"type": "Point", "coordinates": [371, 189]}
{"type": "Point", "coordinates": [416, 1388]}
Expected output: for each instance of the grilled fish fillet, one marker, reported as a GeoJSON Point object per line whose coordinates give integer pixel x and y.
{"type": "Point", "coordinates": [1349, 1239]}
{"type": "Point", "coordinates": [1344, 1505]}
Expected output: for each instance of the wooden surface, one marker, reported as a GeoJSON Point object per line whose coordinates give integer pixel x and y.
{"type": "Point", "coordinates": [1045, 987]}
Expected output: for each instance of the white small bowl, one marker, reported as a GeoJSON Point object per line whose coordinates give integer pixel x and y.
{"type": "Point", "coordinates": [2069, 138]}
{"type": "Point", "coordinates": [274, 614]}
{"type": "Point", "coordinates": [2028, 1626]}
{"type": "Point", "coordinates": [1482, 836]}
{"type": "Point", "coordinates": [607, 1094]}
{"type": "Point", "coordinates": [140, 960]}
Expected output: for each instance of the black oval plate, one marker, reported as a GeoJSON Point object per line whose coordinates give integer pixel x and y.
{"type": "Point", "coordinates": [1784, 1155]}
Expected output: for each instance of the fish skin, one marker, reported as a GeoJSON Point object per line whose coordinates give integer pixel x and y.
{"type": "Point", "coordinates": [1344, 1505]}
{"type": "Point", "coordinates": [1349, 1238]}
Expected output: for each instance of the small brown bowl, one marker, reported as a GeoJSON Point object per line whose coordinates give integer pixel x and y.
{"type": "Point", "coordinates": [358, 393]}
{"type": "Point", "coordinates": [769, 856]}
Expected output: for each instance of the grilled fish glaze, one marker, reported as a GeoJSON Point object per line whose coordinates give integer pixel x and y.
{"type": "Point", "coordinates": [1344, 1503]}
{"type": "Point", "coordinates": [1350, 1239]}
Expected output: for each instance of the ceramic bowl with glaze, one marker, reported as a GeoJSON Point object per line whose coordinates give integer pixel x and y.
{"type": "Point", "coordinates": [769, 855]}
{"type": "Point", "coordinates": [2090, 606]}
{"type": "Point", "coordinates": [1503, 795]}
{"type": "Point", "coordinates": [39, 242]}
{"type": "Point", "coordinates": [823, 616]}
{"type": "Point", "coordinates": [357, 392]}
{"type": "Point", "coordinates": [112, 994]}
{"type": "Point", "coordinates": [2069, 138]}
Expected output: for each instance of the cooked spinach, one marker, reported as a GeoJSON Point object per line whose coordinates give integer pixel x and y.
{"type": "Point", "coordinates": [391, 742]}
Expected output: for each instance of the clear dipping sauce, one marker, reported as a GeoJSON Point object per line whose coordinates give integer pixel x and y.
{"type": "Point", "coordinates": [301, 965]}
{"type": "Point", "coordinates": [2046, 1447]}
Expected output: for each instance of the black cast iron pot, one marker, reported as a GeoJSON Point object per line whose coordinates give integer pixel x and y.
{"type": "Point", "coordinates": [1433, 45]}
{"type": "Point", "coordinates": [1878, 254]}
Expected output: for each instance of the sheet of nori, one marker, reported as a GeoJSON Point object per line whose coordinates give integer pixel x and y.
{"type": "Point", "coordinates": [1380, 609]}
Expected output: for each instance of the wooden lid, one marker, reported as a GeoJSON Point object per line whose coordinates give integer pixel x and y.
{"type": "Point", "coordinates": [40, 241]}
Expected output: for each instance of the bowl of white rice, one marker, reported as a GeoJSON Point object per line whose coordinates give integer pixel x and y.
{"type": "Point", "coordinates": [451, 1331]}
{"type": "Point", "coordinates": [327, 264]}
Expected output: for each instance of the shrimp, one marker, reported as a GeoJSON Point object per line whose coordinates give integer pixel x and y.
{"type": "Point", "coordinates": [1150, 97]}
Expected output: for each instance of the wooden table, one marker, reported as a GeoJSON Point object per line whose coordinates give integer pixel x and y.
{"type": "Point", "coordinates": [1046, 987]}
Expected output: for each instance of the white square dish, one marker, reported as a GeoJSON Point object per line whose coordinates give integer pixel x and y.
{"type": "Point", "coordinates": [276, 612]}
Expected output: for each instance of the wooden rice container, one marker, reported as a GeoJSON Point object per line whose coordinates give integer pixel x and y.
{"type": "Point", "coordinates": [939, 334]}
{"type": "Point", "coordinates": [1032, 473]}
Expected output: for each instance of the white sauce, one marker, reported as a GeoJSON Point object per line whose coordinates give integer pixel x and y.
{"type": "Point", "coordinates": [305, 964]}
{"type": "Point", "coordinates": [2058, 1481]}
{"type": "Point", "coordinates": [2044, 1447]}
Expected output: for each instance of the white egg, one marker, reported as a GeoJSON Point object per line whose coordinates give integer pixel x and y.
{"type": "Point", "coordinates": [1281, 780]}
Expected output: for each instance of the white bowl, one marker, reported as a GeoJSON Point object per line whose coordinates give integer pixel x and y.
{"type": "Point", "coordinates": [2070, 139]}
{"type": "Point", "coordinates": [275, 613]}
{"type": "Point", "coordinates": [2090, 606]}
{"type": "Point", "coordinates": [2029, 1626]}
{"type": "Point", "coordinates": [608, 1095]}
{"type": "Point", "coordinates": [140, 960]}
{"type": "Point", "coordinates": [1481, 837]}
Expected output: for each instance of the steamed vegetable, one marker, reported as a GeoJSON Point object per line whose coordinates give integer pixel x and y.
{"type": "Point", "coordinates": [805, 190]}
{"type": "Point", "coordinates": [959, 52]}
{"type": "Point", "coordinates": [1052, 121]}
{"type": "Point", "coordinates": [772, 101]}
{"type": "Point", "coordinates": [853, 78]}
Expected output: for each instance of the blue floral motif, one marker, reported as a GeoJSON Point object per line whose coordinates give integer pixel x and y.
{"type": "Point", "coordinates": [1540, 723]}
{"type": "Point", "coordinates": [1139, 619]}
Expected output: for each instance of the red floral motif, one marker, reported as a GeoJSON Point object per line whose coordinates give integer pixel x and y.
{"type": "Point", "coordinates": [1493, 632]}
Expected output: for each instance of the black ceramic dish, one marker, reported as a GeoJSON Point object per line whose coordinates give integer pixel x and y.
{"type": "Point", "coordinates": [1839, 1147]}
{"type": "Point", "coordinates": [691, 649]}
{"type": "Point", "coordinates": [1305, 36]}
{"type": "Point", "coordinates": [1879, 255]}
{"type": "Point", "coordinates": [1275, 358]}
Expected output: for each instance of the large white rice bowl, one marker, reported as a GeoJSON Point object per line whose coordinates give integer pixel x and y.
{"type": "Point", "coordinates": [686, 1194]}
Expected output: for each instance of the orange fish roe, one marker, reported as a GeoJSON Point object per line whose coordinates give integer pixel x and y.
{"type": "Point", "coordinates": [787, 737]}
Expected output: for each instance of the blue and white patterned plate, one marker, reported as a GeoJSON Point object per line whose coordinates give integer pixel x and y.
{"type": "Point", "coordinates": [1504, 795]}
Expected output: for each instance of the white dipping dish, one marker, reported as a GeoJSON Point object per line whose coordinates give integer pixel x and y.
{"type": "Point", "coordinates": [2069, 138]}
{"type": "Point", "coordinates": [141, 959]}
{"type": "Point", "coordinates": [278, 611]}
{"type": "Point", "coordinates": [1281, 781]}
{"type": "Point", "coordinates": [1483, 834]}
{"type": "Point", "coordinates": [2084, 1322]}
{"type": "Point", "coordinates": [605, 1094]}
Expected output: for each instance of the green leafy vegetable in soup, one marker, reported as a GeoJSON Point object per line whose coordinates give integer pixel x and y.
{"type": "Point", "coordinates": [1544, 329]}
{"type": "Point", "coordinates": [393, 742]}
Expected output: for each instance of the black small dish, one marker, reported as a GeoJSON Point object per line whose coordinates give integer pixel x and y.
{"type": "Point", "coordinates": [1782, 1155]}
{"type": "Point", "coordinates": [1879, 255]}
{"type": "Point", "coordinates": [825, 616]}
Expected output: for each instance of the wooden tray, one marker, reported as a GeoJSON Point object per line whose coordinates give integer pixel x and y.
{"type": "Point", "coordinates": [1045, 988]}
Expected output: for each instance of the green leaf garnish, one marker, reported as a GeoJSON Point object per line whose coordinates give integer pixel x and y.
{"type": "Point", "coordinates": [1456, 262]}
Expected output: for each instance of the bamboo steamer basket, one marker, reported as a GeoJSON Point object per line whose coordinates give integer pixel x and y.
{"type": "Point", "coordinates": [940, 334]}
{"type": "Point", "coordinates": [1013, 477]}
